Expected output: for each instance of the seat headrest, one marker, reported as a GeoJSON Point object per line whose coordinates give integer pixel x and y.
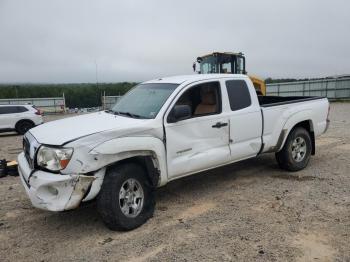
{"type": "Point", "coordinates": [208, 98]}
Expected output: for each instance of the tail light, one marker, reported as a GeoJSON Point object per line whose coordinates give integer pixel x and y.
{"type": "Point", "coordinates": [37, 112]}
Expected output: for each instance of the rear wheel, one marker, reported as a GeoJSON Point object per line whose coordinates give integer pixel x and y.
{"type": "Point", "coordinates": [296, 152]}
{"type": "Point", "coordinates": [23, 126]}
{"type": "Point", "coordinates": [126, 200]}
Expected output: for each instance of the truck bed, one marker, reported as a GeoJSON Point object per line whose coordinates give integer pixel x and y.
{"type": "Point", "coordinates": [267, 101]}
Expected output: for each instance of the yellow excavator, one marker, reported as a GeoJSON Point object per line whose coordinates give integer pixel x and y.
{"type": "Point", "coordinates": [227, 63]}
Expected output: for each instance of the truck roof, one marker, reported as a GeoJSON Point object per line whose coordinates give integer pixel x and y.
{"type": "Point", "coordinates": [192, 78]}
{"type": "Point", "coordinates": [223, 53]}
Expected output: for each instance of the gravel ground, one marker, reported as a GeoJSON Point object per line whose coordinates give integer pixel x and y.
{"type": "Point", "coordinates": [249, 211]}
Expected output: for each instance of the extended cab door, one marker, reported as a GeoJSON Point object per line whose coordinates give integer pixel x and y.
{"type": "Point", "coordinates": [200, 141]}
{"type": "Point", "coordinates": [245, 119]}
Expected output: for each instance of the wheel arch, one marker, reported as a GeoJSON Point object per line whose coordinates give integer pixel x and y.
{"type": "Point", "coordinates": [149, 152]}
{"type": "Point", "coordinates": [146, 162]}
{"type": "Point", "coordinates": [24, 120]}
{"type": "Point", "coordinates": [145, 159]}
{"type": "Point", "coordinates": [307, 124]}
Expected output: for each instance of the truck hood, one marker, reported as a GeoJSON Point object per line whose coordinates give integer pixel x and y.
{"type": "Point", "coordinates": [62, 131]}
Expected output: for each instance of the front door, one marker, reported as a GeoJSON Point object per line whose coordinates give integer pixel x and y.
{"type": "Point", "coordinates": [202, 140]}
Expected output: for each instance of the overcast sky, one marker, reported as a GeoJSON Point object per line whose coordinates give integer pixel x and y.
{"type": "Point", "coordinates": [59, 41]}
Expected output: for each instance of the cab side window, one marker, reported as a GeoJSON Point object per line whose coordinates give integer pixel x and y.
{"type": "Point", "coordinates": [203, 99]}
{"type": "Point", "coordinates": [238, 94]}
{"type": "Point", "coordinates": [12, 109]}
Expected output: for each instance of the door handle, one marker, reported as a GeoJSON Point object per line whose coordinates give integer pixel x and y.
{"type": "Point", "coordinates": [219, 125]}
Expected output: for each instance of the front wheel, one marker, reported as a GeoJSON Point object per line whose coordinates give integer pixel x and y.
{"type": "Point", "coordinates": [296, 152]}
{"type": "Point", "coordinates": [23, 126]}
{"type": "Point", "coordinates": [126, 200]}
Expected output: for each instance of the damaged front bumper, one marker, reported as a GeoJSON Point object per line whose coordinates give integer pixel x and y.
{"type": "Point", "coordinates": [54, 192]}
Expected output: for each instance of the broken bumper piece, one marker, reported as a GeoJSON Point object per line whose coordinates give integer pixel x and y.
{"type": "Point", "coordinates": [51, 191]}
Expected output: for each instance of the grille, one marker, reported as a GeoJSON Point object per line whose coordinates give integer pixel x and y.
{"type": "Point", "coordinates": [26, 149]}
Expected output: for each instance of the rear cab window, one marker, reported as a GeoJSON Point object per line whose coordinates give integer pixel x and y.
{"type": "Point", "coordinates": [238, 94]}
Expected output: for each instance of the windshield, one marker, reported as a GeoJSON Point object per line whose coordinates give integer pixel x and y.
{"type": "Point", "coordinates": [144, 101]}
{"type": "Point", "coordinates": [209, 65]}
{"type": "Point", "coordinates": [223, 64]}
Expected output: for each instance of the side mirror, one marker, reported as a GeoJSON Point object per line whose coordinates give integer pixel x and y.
{"type": "Point", "coordinates": [195, 66]}
{"type": "Point", "coordinates": [179, 112]}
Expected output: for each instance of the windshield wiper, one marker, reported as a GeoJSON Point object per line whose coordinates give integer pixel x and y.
{"type": "Point", "coordinates": [128, 114]}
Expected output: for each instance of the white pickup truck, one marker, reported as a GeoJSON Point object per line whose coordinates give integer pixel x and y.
{"type": "Point", "coordinates": [160, 131]}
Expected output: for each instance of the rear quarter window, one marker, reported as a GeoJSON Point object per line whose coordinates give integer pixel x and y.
{"type": "Point", "coordinates": [21, 109]}
{"type": "Point", "coordinates": [238, 94]}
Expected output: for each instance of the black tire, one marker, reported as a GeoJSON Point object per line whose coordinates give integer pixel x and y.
{"type": "Point", "coordinates": [2, 173]}
{"type": "Point", "coordinates": [12, 170]}
{"type": "Point", "coordinates": [3, 168]}
{"type": "Point", "coordinates": [23, 126]}
{"type": "Point", "coordinates": [109, 205]}
{"type": "Point", "coordinates": [285, 157]}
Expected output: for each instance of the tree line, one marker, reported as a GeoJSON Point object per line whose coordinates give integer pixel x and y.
{"type": "Point", "coordinates": [270, 80]}
{"type": "Point", "coordinates": [81, 95]}
{"type": "Point", "coordinates": [77, 95]}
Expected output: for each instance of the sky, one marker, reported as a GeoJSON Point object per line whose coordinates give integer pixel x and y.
{"type": "Point", "coordinates": [65, 41]}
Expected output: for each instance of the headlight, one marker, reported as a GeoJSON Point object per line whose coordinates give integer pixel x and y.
{"type": "Point", "coordinates": [54, 159]}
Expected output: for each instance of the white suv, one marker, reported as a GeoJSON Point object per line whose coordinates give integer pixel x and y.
{"type": "Point", "coordinates": [19, 118]}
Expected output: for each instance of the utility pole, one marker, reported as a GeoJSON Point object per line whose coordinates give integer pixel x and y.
{"type": "Point", "coordinates": [64, 103]}
{"type": "Point", "coordinates": [96, 73]}
{"type": "Point", "coordinates": [104, 100]}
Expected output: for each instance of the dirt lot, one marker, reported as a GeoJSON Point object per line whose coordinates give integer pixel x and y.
{"type": "Point", "coordinates": [249, 211]}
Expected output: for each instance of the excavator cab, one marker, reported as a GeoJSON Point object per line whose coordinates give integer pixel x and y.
{"type": "Point", "coordinates": [222, 63]}
{"type": "Point", "coordinates": [227, 63]}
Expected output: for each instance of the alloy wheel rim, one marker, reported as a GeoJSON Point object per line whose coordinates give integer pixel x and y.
{"type": "Point", "coordinates": [298, 149]}
{"type": "Point", "coordinates": [131, 198]}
